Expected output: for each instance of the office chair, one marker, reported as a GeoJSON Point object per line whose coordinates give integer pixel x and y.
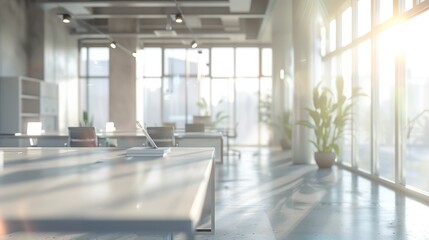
{"type": "Point", "coordinates": [82, 137]}
{"type": "Point", "coordinates": [162, 136]}
{"type": "Point", "coordinates": [169, 124]}
{"type": "Point", "coordinates": [194, 127]}
{"type": "Point", "coordinates": [231, 134]}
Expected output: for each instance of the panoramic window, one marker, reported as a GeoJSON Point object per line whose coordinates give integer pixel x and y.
{"type": "Point", "coordinates": [386, 10]}
{"type": "Point", "coordinates": [323, 41]}
{"type": "Point", "coordinates": [222, 62]}
{"type": "Point", "coordinates": [386, 106]}
{"type": "Point", "coordinates": [94, 84]}
{"type": "Point", "coordinates": [417, 99]}
{"type": "Point", "coordinates": [230, 93]}
{"type": "Point", "coordinates": [247, 62]}
{"type": "Point", "coordinates": [363, 17]}
{"type": "Point", "coordinates": [390, 125]}
{"type": "Point", "coordinates": [363, 107]}
{"type": "Point", "coordinates": [333, 35]}
{"type": "Point", "coordinates": [346, 27]}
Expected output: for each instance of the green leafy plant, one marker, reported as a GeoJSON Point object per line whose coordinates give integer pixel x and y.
{"type": "Point", "coordinates": [411, 123]}
{"type": "Point", "coordinates": [86, 122]}
{"type": "Point", "coordinates": [205, 109]}
{"type": "Point", "coordinates": [203, 106]}
{"type": "Point", "coordinates": [329, 116]}
{"type": "Point", "coordinates": [265, 110]}
{"type": "Point", "coordinates": [285, 126]}
{"type": "Point", "coordinates": [282, 123]}
{"type": "Point", "coordinates": [219, 118]}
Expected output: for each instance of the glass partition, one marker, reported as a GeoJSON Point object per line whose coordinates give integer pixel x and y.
{"type": "Point", "coordinates": [363, 16]}
{"type": "Point", "coordinates": [151, 62]}
{"type": "Point", "coordinates": [149, 101]}
{"type": "Point", "coordinates": [386, 107]}
{"type": "Point", "coordinates": [385, 10]}
{"type": "Point", "coordinates": [247, 62]}
{"type": "Point", "coordinates": [247, 111]}
{"type": "Point", "coordinates": [94, 84]}
{"type": "Point", "coordinates": [417, 99]}
{"type": "Point", "coordinates": [333, 35]}
{"type": "Point", "coordinates": [175, 62]}
{"type": "Point", "coordinates": [98, 64]}
{"type": "Point", "coordinates": [346, 73]}
{"type": "Point", "coordinates": [346, 26]}
{"type": "Point", "coordinates": [222, 62]}
{"type": "Point", "coordinates": [193, 75]}
{"type": "Point", "coordinates": [174, 100]}
{"type": "Point", "coordinates": [98, 109]}
{"type": "Point", "coordinates": [363, 108]}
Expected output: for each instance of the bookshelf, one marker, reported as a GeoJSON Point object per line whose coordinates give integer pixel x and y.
{"type": "Point", "coordinates": [23, 100]}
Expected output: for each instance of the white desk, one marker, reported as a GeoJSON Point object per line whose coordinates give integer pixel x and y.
{"type": "Point", "coordinates": [60, 139]}
{"type": "Point", "coordinates": [100, 189]}
{"type": "Point", "coordinates": [202, 139]}
{"type": "Point", "coordinates": [121, 140]}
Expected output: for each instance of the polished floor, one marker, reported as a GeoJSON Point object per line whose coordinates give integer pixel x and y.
{"type": "Point", "coordinates": [263, 196]}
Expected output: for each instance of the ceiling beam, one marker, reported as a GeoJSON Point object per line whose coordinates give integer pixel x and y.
{"type": "Point", "coordinates": [136, 3]}
{"type": "Point", "coordinates": [143, 16]}
{"type": "Point", "coordinates": [240, 5]}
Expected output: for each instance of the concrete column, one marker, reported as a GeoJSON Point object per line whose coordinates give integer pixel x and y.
{"type": "Point", "coordinates": [306, 65]}
{"type": "Point", "coordinates": [282, 46]}
{"type": "Point", "coordinates": [122, 85]}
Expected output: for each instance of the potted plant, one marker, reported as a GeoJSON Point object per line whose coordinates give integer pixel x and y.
{"type": "Point", "coordinates": [86, 122]}
{"type": "Point", "coordinates": [206, 118]}
{"type": "Point", "coordinates": [329, 116]}
{"type": "Point", "coordinates": [285, 128]}
{"type": "Point", "coordinates": [282, 125]}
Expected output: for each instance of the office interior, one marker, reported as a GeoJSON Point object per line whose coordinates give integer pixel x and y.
{"type": "Point", "coordinates": [266, 51]}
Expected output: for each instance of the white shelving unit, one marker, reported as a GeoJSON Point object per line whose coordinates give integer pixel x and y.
{"type": "Point", "coordinates": [24, 99]}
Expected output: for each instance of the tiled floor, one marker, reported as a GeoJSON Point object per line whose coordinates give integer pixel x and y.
{"type": "Point", "coordinates": [263, 196]}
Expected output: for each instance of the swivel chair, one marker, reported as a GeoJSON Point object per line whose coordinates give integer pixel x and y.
{"type": "Point", "coordinates": [82, 137]}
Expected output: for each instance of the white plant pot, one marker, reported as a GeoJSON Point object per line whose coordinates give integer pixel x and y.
{"type": "Point", "coordinates": [206, 120]}
{"type": "Point", "coordinates": [325, 159]}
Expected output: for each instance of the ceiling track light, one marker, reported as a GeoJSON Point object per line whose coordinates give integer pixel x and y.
{"type": "Point", "coordinates": [113, 44]}
{"type": "Point", "coordinates": [66, 18]}
{"type": "Point", "coordinates": [179, 18]}
{"type": "Point", "coordinates": [194, 44]}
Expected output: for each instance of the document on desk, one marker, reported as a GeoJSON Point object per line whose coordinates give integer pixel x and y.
{"type": "Point", "coordinates": [148, 152]}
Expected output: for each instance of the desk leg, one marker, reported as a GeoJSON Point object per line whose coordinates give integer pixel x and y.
{"type": "Point", "coordinates": [212, 192]}
{"type": "Point", "coordinates": [190, 236]}
{"type": "Point", "coordinates": [209, 203]}
{"type": "Point", "coordinates": [170, 236]}
{"type": "Point", "coordinates": [33, 142]}
{"type": "Point", "coordinates": [167, 236]}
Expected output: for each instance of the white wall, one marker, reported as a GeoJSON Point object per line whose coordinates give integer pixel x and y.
{"type": "Point", "coordinates": [61, 66]}
{"type": "Point", "coordinates": [282, 45]}
{"type": "Point", "coordinates": [13, 38]}
{"type": "Point", "coordinates": [40, 47]}
{"type": "Point", "coordinates": [122, 82]}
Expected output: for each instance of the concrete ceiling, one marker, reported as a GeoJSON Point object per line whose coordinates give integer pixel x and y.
{"type": "Point", "coordinates": [210, 22]}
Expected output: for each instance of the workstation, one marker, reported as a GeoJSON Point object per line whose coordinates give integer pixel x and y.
{"type": "Point", "coordinates": [261, 87]}
{"type": "Point", "coordinates": [117, 139]}
{"type": "Point", "coordinates": [183, 202]}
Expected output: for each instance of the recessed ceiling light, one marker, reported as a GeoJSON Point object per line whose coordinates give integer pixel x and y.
{"type": "Point", "coordinates": [66, 18]}
{"type": "Point", "coordinates": [179, 18]}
